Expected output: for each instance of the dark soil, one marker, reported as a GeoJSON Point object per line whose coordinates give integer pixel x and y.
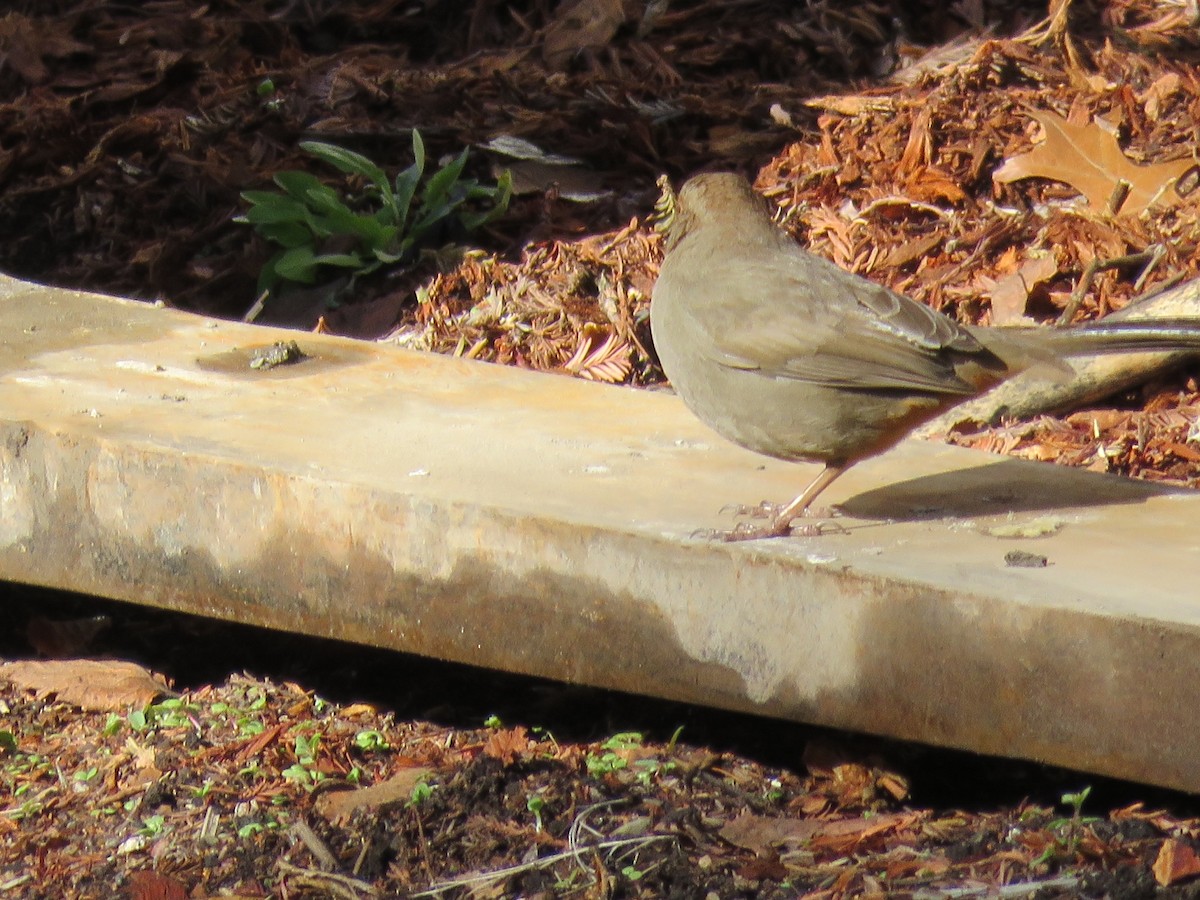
{"type": "Point", "coordinates": [667, 809]}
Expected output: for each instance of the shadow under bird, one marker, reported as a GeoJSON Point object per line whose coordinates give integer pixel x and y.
{"type": "Point", "coordinates": [789, 355]}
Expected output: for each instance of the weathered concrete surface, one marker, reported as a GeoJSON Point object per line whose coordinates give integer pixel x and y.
{"type": "Point", "coordinates": [542, 524]}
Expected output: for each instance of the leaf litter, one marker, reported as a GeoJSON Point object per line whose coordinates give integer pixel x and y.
{"type": "Point", "coordinates": [128, 133]}
{"type": "Point", "coordinates": [261, 786]}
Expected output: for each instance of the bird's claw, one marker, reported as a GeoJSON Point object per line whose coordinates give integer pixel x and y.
{"type": "Point", "coordinates": [768, 510]}
{"type": "Point", "coordinates": [749, 531]}
{"type": "Point", "coordinates": [764, 510]}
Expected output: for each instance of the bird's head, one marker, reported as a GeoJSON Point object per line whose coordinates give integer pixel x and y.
{"type": "Point", "coordinates": [717, 198]}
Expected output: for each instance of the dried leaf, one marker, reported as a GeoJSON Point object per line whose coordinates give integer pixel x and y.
{"type": "Point", "coordinates": [91, 684]}
{"type": "Point", "coordinates": [507, 745]}
{"type": "Point", "coordinates": [763, 834]}
{"type": "Point", "coordinates": [151, 885]}
{"type": "Point", "coordinates": [910, 250]}
{"type": "Point", "coordinates": [1088, 158]}
{"type": "Point", "coordinates": [1010, 295]}
{"type": "Point", "coordinates": [579, 25]}
{"type": "Point", "coordinates": [850, 104]}
{"type": "Point", "coordinates": [24, 42]}
{"type": "Point", "coordinates": [1153, 97]}
{"type": "Point", "coordinates": [610, 362]}
{"type": "Point", "coordinates": [338, 805]}
{"type": "Point", "coordinates": [1183, 451]}
{"type": "Point", "coordinates": [572, 183]}
{"type": "Point", "coordinates": [1176, 861]}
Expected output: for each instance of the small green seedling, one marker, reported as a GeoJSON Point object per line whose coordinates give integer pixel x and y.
{"type": "Point", "coordinates": [611, 760]}
{"type": "Point", "coordinates": [421, 792]}
{"type": "Point", "coordinates": [1068, 829]}
{"type": "Point", "coordinates": [369, 741]}
{"type": "Point", "coordinates": [535, 803]}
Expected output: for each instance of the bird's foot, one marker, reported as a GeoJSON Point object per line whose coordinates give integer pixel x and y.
{"type": "Point", "coordinates": [768, 510]}
{"type": "Point", "coordinates": [751, 531]}
{"type": "Point", "coordinates": [764, 510]}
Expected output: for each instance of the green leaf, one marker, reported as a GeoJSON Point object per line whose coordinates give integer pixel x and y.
{"type": "Point", "coordinates": [388, 258]}
{"type": "Point", "coordinates": [407, 181]}
{"type": "Point", "coordinates": [440, 184]}
{"type": "Point", "coordinates": [298, 184]}
{"type": "Point", "coordinates": [344, 260]}
{"type": "Point", "coordinates": [349, 162]}
{"type": "Point", "coordinates": [297, 264]}
{"type": "Point", "coordinates": [501, 194]}
{"type": "Point", "coordinates": [340, 220]}
{"type": "Point", "coordinates": [272, 208]}
{"type": "Point", "coordinates": [286, 234]}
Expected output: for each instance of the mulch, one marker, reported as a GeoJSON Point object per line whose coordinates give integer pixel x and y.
{"type": "Point", "coordinates": [328, 770]}
{"type": "Point", "coordinates": [129, 131]}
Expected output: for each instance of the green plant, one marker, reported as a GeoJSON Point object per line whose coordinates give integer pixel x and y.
{"type": "Point", "coordinates": [152, 826]}
{"type": "Point", "coordinates": [304, 770]}
{"type": "Point", "coordinates": [321, 229]}
{"type": "Point", "coordinates": [535, 803]}
{"type": "Point", "coordinates": [199, 793]}
{"type": "Point", "coordinates": [170, 713]}
{"type": "Point", "coordinates": [1068, 830]}
{"type": "Point", "coordinates": [369, 741]}
{"type": "Point", "coordinates": [611, 760]}
{"type": "Point", "coordinates": [650, 769]}
{"type": "Point", "coordinates": [421, 792]}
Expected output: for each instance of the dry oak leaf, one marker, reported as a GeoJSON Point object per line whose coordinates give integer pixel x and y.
{"type": "Point", "coordinates": [1088, 158]}
{"type": "Point", "coordinates": [508, 745]}
{"type": "Point", "coordinates": [1176, 861]}
{"type": "Point", "coordinates": [102, 685]}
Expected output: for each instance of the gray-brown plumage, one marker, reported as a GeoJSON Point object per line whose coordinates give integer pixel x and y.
{"type": "Point", "coordinates": [788, 355]}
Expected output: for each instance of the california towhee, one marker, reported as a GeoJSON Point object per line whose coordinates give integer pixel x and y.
{"type": "Point", "coordinates": [788, 355]}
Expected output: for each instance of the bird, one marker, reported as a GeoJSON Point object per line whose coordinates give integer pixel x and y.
{"type": "Point", "coordinates": [789, 355]}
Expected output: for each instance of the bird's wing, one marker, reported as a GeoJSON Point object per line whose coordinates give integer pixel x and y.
{"type": "Point", "coordinates": [838, 330]}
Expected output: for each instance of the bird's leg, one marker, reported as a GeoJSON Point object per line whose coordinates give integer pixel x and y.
{"type": "Point", "coordinates": [783, 515]}
{"type": "Point", "coordinates": [782, 523]}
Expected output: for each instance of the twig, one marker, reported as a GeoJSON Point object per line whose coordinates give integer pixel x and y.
{"type": "Point", "coordinates": [1157, 253]}
{"type": "Point", "coordinates": [1004, 892]}
{"type": "Point", "coordinates": [1120, 193]}
{"type": "Point", "coordinates": [338, 885]}
{"type": "Point", "coordinates": [1148, 259]}
{"type": "Point", "coordinates": [1077, 295]}
{"type": "Point", "coordinates": [541, 863]}
{"type": "Point", "coordinates": [423, 842]}
{"type": "Point", "coordinates": [325, 858]}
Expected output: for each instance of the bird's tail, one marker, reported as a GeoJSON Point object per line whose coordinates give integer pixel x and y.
{"type": "Point", "coordinates": [1125, 335]}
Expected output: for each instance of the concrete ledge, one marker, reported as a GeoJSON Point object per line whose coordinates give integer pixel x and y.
{"type": "Point", "coordinates": [541, 524]}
